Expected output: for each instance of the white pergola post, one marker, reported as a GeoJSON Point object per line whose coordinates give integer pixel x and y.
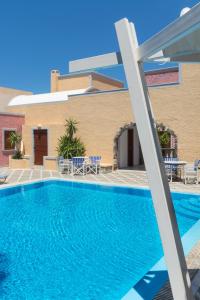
{"type": "Point", "coordinates": [146, 126]}
{"type": "Point", "coordinates": [179, 41]}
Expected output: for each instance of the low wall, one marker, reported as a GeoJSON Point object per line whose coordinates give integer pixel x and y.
{"type": "Point", "coordinates": [24, 163]}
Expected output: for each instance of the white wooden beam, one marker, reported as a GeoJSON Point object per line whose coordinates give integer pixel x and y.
{"type": "Point", "coordinates": [100, 61]}
{"type": "Point", "coordinates": [159, 186]}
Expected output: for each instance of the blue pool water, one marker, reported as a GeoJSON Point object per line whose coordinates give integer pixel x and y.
{"type": "Point", "coordinates": [65, 240]}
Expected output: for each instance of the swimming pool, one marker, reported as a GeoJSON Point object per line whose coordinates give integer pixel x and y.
{"type": "Point", "coordinates": [67, 240]}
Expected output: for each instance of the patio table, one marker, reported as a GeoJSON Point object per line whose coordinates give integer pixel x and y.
{"type": "Point", "coordinates": [178, 163]}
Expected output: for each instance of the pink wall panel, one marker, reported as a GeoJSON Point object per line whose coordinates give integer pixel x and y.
{"type": "Point", "coordinates": [154, 79]}
{"type": "Point", "coordinates": [8, 121]}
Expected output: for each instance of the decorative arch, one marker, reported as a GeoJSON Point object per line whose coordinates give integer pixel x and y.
{"type": "Point", "coordinates": [118, 134]}
{"type": "Point", "coordinates": [160, 126]}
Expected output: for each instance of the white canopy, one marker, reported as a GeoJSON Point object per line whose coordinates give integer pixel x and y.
{"type": "Point", "coordinates": [178, 42]}
{"type": "Point", "coordinates": [45, 98]}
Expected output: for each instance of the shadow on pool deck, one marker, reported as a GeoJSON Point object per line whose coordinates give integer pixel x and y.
{"type": "Point", "coordinates": [155, 285]}
{"type": "Point", "coordinates": [166, 293]}
{"type": "Point", "coordinates": [150, 284]}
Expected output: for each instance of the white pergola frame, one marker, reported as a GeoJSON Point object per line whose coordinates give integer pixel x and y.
{"type": "Point", "coordinates": [132, 56]}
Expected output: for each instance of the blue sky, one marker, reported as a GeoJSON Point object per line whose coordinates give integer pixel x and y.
{"type": "Point", "coordinates": [38, 36]}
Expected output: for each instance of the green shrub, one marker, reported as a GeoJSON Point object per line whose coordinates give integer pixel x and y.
{"type": "Point", "coordinates": [68, 145]}
{"type": "Point", "coordinates": [164, 138]}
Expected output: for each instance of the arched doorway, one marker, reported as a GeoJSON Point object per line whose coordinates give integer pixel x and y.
{"type": "Point", "coordinates": [127, 149]}
{"type": "Point", "coordinates": [128, 153]}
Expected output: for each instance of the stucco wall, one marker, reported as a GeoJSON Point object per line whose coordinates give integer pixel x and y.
{"type": "Point", "coordinates": [74, 83]}
{"type": "Point", "coordinates": [6, 94]}
{"type": "Point", "coordinates": [82, 81]}
{"type": "Point", "coordinates": [8, 122]}
{"type": "Point", "coordinates": [101, 115]}
{"type": "Point", "coordinates": [178, 108]}
{"type": "Point", "coordinates": [104, 83]}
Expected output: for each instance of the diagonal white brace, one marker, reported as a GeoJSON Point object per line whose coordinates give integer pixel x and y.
{"type": "Point", "coordinates": [165, 214]}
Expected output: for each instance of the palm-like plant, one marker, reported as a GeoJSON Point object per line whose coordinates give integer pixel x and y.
{"type": "Point", "coordinates": [68, 145]}
{"type": "Point", "coordinates": [71, 127]}
{"type": "Point", "coordinates": [15, 140]}
{"type": "Point", "coordinates": [164, 138]}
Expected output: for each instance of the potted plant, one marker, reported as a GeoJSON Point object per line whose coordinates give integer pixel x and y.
{"type": "Point", "coordinates": [15, 140]}
{"type": "Point", "coordinates": [68, 145]}
{"type": "Point", "coordinates": [164, 138]}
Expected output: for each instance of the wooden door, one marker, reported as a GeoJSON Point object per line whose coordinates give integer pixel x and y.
{"type": "Point", "coordinates": [130, 147]}
{"type": "Point", "coordinates": [40, 145]}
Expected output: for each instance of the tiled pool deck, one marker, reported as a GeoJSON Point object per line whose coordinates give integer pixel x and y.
{"type": "Point", "coordinates": [123, 177]}
{"type": "Point", "coordinates": [120, 177]}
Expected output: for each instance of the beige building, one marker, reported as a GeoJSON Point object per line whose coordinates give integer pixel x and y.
{"type": "Point", "coordinates": [6, 94]}
{"type": "Point", "coordinates": [91, 80]}
{"type": "Point", "coordinates": [102, 107]}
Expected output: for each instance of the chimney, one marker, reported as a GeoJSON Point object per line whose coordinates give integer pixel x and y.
{"type": "Point", "coordinates": [54, 80]}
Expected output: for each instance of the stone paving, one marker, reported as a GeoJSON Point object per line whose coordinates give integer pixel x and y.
{"type": "Point", "coordinates": [119, 177]}
{"type": "Point", "coordinates": [193, 264]}
{"type": "Point", "coordinates": [122, 177]}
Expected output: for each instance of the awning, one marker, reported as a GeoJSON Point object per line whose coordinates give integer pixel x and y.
{"type": "Point", "coordinates": [178, 42]}
{"type": "Point", "coordinates": [46, 98]}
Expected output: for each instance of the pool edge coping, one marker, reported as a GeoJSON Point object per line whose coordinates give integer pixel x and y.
{"type": "Point", "coordinates": [121, 185]}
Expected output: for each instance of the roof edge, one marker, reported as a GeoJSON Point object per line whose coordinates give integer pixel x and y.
{"type": "Point", "coordinates": [85, 73]}
{"type": "Point", "coordinates": [12, 114]}
{"type": "Point", "coordinates": [161, 71]}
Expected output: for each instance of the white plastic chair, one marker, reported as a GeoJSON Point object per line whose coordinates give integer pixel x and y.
{"type": "Point", "coordinates": [171, 170]}
{"type": "Point", "coordinates": [94, 165]}
{"type": "Point", "coordinates": [78, 166]}
{"type": "Point", "coordinates": [191, 172]}
{"type": "Point", "coordinates": [64, 165]}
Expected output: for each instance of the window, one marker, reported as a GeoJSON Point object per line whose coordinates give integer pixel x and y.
{"type": "Point", "coordinates": [6, 139]}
